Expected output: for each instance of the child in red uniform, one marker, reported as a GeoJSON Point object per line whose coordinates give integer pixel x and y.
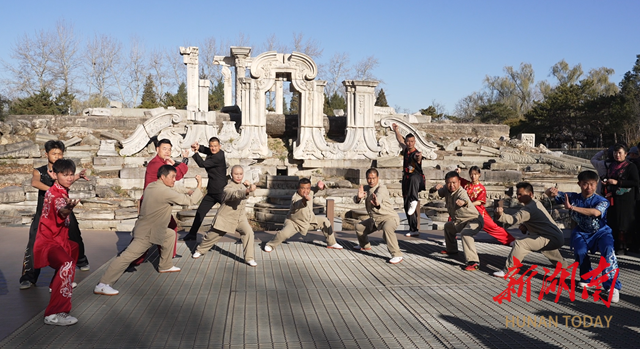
{"type": "Point", "coordinates": [478, 195]}
{"type": "Point", "coordinates": [53, 247]}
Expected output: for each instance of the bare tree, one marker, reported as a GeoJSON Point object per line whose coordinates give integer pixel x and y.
{"type": "Point", "coordinates": [33, 69]}
{"type": "Point", "coordinates": [212, 47]}
{"type": "Point", "coordinates": [242, 40]}
{"type": "Point", "coordinates": [601, 84]}
{"type": "Point", "coordinates": [309, 47]}
{"type": "Point", "coordinates": [161, 71]}
{"type": "Point", "coordinates": [178, 72]}
{"type": "Point", "coordinates": [101, 56]}
{"type": "Point", "coordinates": [566, 74]}
{"type": "Point", "coordinates": [136, 71]}
{"type": "Point", "coordinates": [363, 70]}
{"type": "Point", "coordinates": [466, 108]}
{"type": "Point", "coordinates": [337, 70]}
{"type": "Point", "coordinates": [65, 55]}
{"type": "Point", "coordinates": [516, 89]}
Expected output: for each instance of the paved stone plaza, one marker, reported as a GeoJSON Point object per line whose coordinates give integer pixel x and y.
{"type": "Point", "coordinates": [303, 295]}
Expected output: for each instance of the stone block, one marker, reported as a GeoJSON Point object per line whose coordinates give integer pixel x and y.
{"type": "Point", "coordinates": [133, 173]}
{"type": "Point", "coordinates": [103, 191]}
{"type": "Point", "coordinates": [42, 137]}
{"type": "Point", "coordinates": [108, 161]}
{"type": "Point", "coordinates": [391, 161]}
{"type": "Point", "coordinates": [135, 160]}
{"type": "Point", "coordinates": [31, 196]}
{"type": "Point", "coordinates": [112, 135]}
{"type": "Point", "coordinates": [126, 225]}
{"type": "Point", "coordinates": [126, 213]}
{"type": "Point", "coordinates": [104, 224]}
{"type": "Point", "coordinates": [504, 166]}
{"type": "Point", "coordinates": [72, 141]}
{"type": "Point", "coordinates": [111, 171]}
{"type": "Point", "coordinates": [127, 203]}
{"type": "Point", "coordinates": [81, 194]}
{"type": "Point", "coordinates": [12, 194]}
{"type": "Point", "coordinates": [503, 176]}
{"type": "Point", "coordinates": [126, 184]}
{"type": "Point", "coordinates": [94, 214]}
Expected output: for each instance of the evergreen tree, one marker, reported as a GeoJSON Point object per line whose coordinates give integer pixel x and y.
{"type": "Point", "coordinates": [41, 103]}
{"type": "Point", "coordinates": [149, 97]}
{"type": "Point", "coordinates": [629, 102]}
{"type": "Point", "coordinates": [179, 100]}
{"type": "Point", "coordinates": [495, 113]}
{"type": "Point", "coordinates": [64, 101]}
{"type": "Point", "coordinates": [294, 105]}
{"type": "Point", "coordinates": [381, 100]}
{"type": "Point", "coordinates": [4, 107]}
{"type": "Point", "coordinates": [326, 108]}
{"type": "Point", "coordinates": [216, 96]}
{"type": "Point", "coordinates": [285, 106]}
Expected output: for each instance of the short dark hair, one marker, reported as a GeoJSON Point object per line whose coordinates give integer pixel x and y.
{"type": "Point", "coordinates": [620, 146]}
{"type": "Point", "coordinates": [164, 170]}
{"type": "Point", "coordinates": [303, 180]}
{"type": "Point", "coordinates": [474, 168]}
{"type": "Point", "coordinates": [409, 135]}
{"type": "Point", "coordinates": [372, 170]}
{"type": "Point", "coordinates": [64, 166]}
{"type": "Point", "coordinates": [48, 145]}
{"type": "Point", "coordinates": [163, 141]}
{"type": "Point", "coordinates": [214, 139]}
{"type": "Point", "coordinates": [588, 176]}
{"type": "Point", "coordinates": [526, 186]}
{"type": "Point", "coordinates": [451, 174]}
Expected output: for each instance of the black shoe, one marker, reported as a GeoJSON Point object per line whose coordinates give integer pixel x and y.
{"type": "Point", "coordinates": [190, 237]}
{"type": "Point", "coordinates": [178, 256]}
{"type": "Point", "coordinates": [130, 269]}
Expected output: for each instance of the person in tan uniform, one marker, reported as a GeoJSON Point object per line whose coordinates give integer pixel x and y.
{"type": "Point", "coordinates": [151, 228]}
{"type": "Point", "coordinates": [301, 217]}
{"type": "Point", "coordinates": [543, 233]}
{"type": "Point", "coordinates": [465, 219]}
{"type": "Point", "coordinates": [382, 216]}
{"type": "Point", "coordinates": [231, 216]}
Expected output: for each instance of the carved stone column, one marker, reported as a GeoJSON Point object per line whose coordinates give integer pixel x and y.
{"type": "Point", "coordinates": [279, 95]}
{"type": "Point", "coordinates": [190, 59]}
{"type": "Point", "coordinates": [203, 100]}
{"type": "Point", "coordinates": [226, 80]}
{"type": "Point", "coordinates": [240, 56]}
{"type": "Point", "coordinates": [360, 141]}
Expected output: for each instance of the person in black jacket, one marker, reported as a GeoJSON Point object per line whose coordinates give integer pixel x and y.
{"type": "Point", "coordinates": [216, 167]}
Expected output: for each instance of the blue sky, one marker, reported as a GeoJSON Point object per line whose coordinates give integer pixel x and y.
{"type": "Point", "coordinates": [427, 50]}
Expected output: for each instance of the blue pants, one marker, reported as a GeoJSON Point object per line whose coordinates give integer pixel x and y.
{"type": "Point", "coordinates": [601, 241]}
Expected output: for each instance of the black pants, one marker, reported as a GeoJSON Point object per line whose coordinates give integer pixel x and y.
{"type": "Point", "coordinates": [29, 273]}
{"type": "Point", "coordinates": [205, 206]}
{"type": "Point", "coordinates": [411, 185]}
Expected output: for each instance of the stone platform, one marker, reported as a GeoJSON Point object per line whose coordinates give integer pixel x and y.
{"type": "Point", "coordinates": [303, 295]}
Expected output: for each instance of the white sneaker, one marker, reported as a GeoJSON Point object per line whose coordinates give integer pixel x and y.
{"type": "Point", "coordinates": [196, 255]}
{"type": "Point", "coordinates": [499, 274]}
{"type": "Point", "coordinates": [396, 260]}
{"type": "Point", "coordinates": [412, 234]}
{"type": "Point", "coordinates": [60, 319]}
{"type": "Point", "coordinates": [105, 290]}
{"type": "Point", "coordinates": [412, 207]}
{"type": "Point", "coordinates": [173, 269]}
{"type": "Point", "coordinates": [616, 296]}
{"type": "Point", "coordinates": [85, 267]}
{"type": "Point", "coordinates": [268, 248]}
{"type": "Point", "coordinates": [585, 285]}
{"type": "Point", "coordinates": [335, 247]}
{"type": "Point", "coordinates": [252, 263]}
{"type": "Point", "coordinates": [73, 285]}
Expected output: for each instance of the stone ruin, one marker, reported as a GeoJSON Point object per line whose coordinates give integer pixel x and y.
{"type": "Point", "coordinates": [115, 143]}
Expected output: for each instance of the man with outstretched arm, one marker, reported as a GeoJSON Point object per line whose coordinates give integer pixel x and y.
{"type": "Point", "coordinates": [542, 232]}
{"type": "Point", "coordinates": [301, 217]}
{"type": "Point", "coordinates": [151, 228]}
{"type": "Point", "coordinates": [413, 180]}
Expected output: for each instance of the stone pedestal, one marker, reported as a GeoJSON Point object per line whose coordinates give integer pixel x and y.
{"type": "Point", "coordinates": [190, 59]}
{"type": "Point", "coordinates": [108, 148]}
{"type": "Point", "coordinates": [360, 141]}
{"type": "Point", "coordinates": [203, 95]}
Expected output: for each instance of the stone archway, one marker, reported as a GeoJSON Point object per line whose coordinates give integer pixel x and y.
{"type": "Point", "coordinates": [301, 71]}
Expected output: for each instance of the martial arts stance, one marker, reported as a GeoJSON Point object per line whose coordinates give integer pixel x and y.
{"type": "Point", "coordinates": [216, 167]}
{"type": "Point", "coordinates": [151, 228]}
{"type": "Point", "coordinates": [301, 217]}
{"type": "Point", "coordinates": [231, 216]}
{"type": "Point", "coordinates": [591, 233]}
{"type": "Point", "coordinates": [383, 217]}
{"type": "Point", "coordinates": [465, 219]}
{"type": "Point", "coordinates": [54, 248]}
{"type": "Point", "coordinates": [412, 179]}
{"type": "Point", "coordinates": [42, 180]}
{"type": "Point", "coordinates": [543, 233]}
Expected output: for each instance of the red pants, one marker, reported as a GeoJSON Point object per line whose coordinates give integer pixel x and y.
{"type": "Point", "coordinates": [61, 290]}
{"type": "Point", "coordinates": [172, 225]}
{"type": "Point", "coordinates": [493, 229]}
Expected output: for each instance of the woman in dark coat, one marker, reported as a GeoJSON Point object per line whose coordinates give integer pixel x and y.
{"type": "Point", "coordinates": [621, 186]}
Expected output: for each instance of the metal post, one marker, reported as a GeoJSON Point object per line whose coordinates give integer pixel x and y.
{"type": "Point", "coordinates": [330, 212]}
